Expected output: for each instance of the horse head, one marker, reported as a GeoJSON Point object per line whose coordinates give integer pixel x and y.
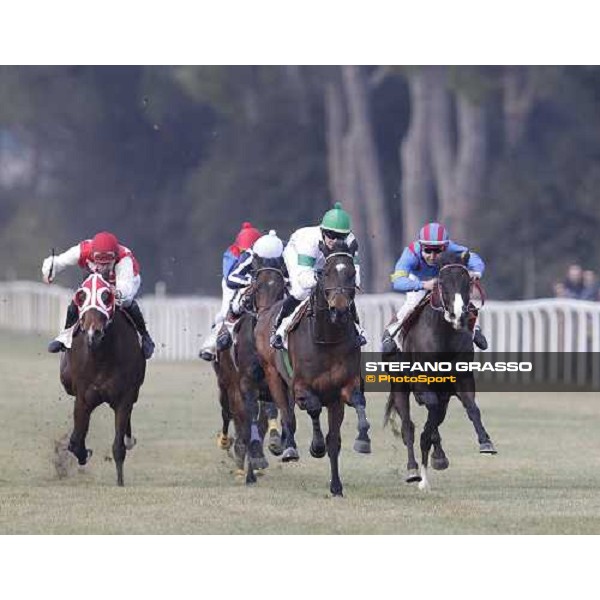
{"type": "Point", "coordinates": [269, 282]}
{"type": "Point", "coordinates": [95, 300]}
{"type": "Point", "coordinates": [337, 280]}
{"type": "Point", "coordinates": [454, 286]}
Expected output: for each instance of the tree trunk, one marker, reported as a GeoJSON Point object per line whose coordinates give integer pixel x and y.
{"type": "Point", "coordinates": [372, 197]}
{"type": "Point", "coordinates": [418, 201]}
{"type": "Point", "coordinates": [471, 165]}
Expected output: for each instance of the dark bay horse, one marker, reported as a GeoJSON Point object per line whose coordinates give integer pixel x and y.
{"type": "Point", "coordinates": [239, 372]}
{"type": "Point", "coordinates": [439, 332]}
{"type": "Point", "coordinates": [268, 287]}
{"type": "Point", "coordinates": [104, 364]}
{"type": "Point", "coordinates": [324, 358]}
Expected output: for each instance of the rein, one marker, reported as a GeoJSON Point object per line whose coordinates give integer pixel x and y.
{"type": "Point", "coordinates": [250, 307]}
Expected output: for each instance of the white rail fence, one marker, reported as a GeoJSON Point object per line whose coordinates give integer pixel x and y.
{"type": "Point", "coordinates": [179, 324]}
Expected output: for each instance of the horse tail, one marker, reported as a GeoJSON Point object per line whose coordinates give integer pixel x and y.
{"type": "Point", "coordinates": [389, 416]}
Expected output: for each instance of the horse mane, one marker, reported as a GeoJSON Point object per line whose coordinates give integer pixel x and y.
{"type": "Point", "coordinates": [269, 263]}
{"type": "Point", "coordinates": [338, 246]}
{"type": "Point", "coordinates": [449, 257]}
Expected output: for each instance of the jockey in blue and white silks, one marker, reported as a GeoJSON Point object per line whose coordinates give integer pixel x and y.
{"type": "Point", "coordinates": [244, 240]}
{"type": "Point", "coordinates": [416, 272]}
{"type": "Point", "coordinates": [240, 276]}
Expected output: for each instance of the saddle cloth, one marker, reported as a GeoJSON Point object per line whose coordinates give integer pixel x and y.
{"type": "Point", "coordinates": [290, 323]}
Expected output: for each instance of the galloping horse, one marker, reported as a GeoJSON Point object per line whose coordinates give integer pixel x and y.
{"type": "Point", "coordinates": [439, 331]}
{"type": "Point", "coordinates": [267, 288]}
{"type": "Point", "coordinates": [104, 364]}
{"type": "Point", "coordinates": [324, 359]}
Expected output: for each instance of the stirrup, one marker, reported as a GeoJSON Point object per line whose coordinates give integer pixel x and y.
{"type": "Point", "coordinates": [207, 355]}
{"type": "Point", "coordinates": [224, 341]}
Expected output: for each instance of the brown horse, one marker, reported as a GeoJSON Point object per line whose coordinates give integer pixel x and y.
{"type": "Point", "coordinates": [268, 287]}
{"type": "Point", "coordinates": [104, 364]}
{"type": "Point", "coordinates": [239, 373]}
{"type": "Point", "coordinates": [325, 360]}
{"type": "Point", "coordinates": [439, 333]}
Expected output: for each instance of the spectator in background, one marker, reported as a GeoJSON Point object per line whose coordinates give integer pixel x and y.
{"type": "Point", "coordinates": [590, 286]}
{"type": "Point", "coordinates": [574, 281]}
{"type": "Point", "coordinates": [559, 290]}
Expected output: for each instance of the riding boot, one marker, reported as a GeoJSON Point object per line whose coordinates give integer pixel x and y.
{"type": "Point", "coordinates": [287, 308]}
{"type": "Point", "coordinates": [388, 341]}
{"type": "Point", "coordinates": [133, 310]}
{"type": "Point", "coordinates": [225, 336]}
{"type": "Point", "coordinates": [72, 315]}
{"type": "Point", "coordinates": [479, 339]}
{"type": "Point", "coordinates": [208, 351]}
{"type": "Point", "coordinates": [361, 340]}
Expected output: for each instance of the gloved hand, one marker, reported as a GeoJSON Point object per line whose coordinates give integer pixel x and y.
{"type": "Point", "coordinates": [474, 274]}
{"type": "Point", "coordinates": [118, 297]}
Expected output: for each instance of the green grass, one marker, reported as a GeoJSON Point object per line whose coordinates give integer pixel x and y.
{"type": "Point", "coordinates": [545, 479]}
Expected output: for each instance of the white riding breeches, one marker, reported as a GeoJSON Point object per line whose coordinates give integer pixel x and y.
{"type": "Point", "coordinates": [411, 302]}
{"type": "Point", "coordinates": [228, 295]}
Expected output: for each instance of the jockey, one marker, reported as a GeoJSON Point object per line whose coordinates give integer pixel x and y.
{"type": "Point", "coordinates": [416, 274]}
{"type": "Point", "coordinates": [303, 257]}
{"type": "Point", "coordinates": [244, 240]}
{"type": "Point", "coordinates": [268, 247]}
{"type": "Point", "coordinates": [116, 263]}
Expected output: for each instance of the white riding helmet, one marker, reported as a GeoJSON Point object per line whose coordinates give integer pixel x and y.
{"type": "Point", "coordinates": [268, 246]}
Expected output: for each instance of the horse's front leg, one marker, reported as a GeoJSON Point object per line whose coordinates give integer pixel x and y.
{"type": "Point", "coordinates": [130, 440]}
{"type": "Point", "coordinates": [428, 437]}
{"type": "Point", "coordinates": [334, 444]}
{"type": "Point", "coordinates": [309, 401]}
{"type": "Point", "coordinates": [467, 398]}
{"type": "Point", "coordinates": [252, 437]}
{"type": "Point", "coordinates": [353, 396]}
{"type": "Point", "coordinates": [439, 460]}
{"type": "Point", "coordinates": [119, 449]}
{"type": "Point", "coordinates": [81, 424]}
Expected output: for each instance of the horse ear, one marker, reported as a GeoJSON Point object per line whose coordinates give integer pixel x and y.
{"type": "Point", "coordinates": [464, 257]}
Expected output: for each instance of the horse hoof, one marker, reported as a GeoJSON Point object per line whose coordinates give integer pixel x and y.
{"type": "Point", "coordinates": [336, 493]}
{"type": "Point", "coordinates": [317, 451]}
{"type": "Point", "coordinates": [290, 454]}
{"type": "Point", "coordinates": [275, 446]}
{"type": "Point", "coordinates": [259, 463]}
{"type": "Point", "coordinates": [440, 464]}
{"type": "Point", "coordinates": [362, 446]}
{"type": "Point", "coordinates": [250, 479]}
{"type": "Point", "coordinates": [130, 442]}
{"type": "Point", "coordinates": [412, 476]}
{"type": "Point", "coordinates": [487, 448]}
{"type": "Point", "coordinates": [223, 441]}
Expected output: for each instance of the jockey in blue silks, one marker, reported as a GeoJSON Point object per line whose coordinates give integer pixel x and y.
{"type": "Point", "coordinates": [246, 237]}
{"type": "Point", "coordinates": [416, 274]}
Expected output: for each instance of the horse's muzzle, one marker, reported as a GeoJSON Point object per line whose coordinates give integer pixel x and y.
{"type": "Point", "coordinates": [94, 338]}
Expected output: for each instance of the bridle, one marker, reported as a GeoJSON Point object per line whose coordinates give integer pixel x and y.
{"type": "Point", "coordinates": [443, 308]}
{"type": "Point", "coordinates": [343, 290]}
{"type": "Point", "coordinates": [249, 294]}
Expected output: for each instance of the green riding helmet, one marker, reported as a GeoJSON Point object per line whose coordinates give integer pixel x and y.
{"type": "Point", "coordinates": [337, 219]}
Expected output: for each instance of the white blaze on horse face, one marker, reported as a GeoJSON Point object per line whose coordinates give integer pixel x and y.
{"type": "Point", "coordinates": [90, 334]}
{"type": "Point", "coordinates": [340, 267]}
{"type": "Point", "coordinates": [458, 309]}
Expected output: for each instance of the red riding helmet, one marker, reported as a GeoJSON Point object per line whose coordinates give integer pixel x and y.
{"type": "Point", "coordinates": [247, 236]}
{"type": "Point", "coordinates": [105, 248]}
{"type": "Point", "coordinates": [433, 234]}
